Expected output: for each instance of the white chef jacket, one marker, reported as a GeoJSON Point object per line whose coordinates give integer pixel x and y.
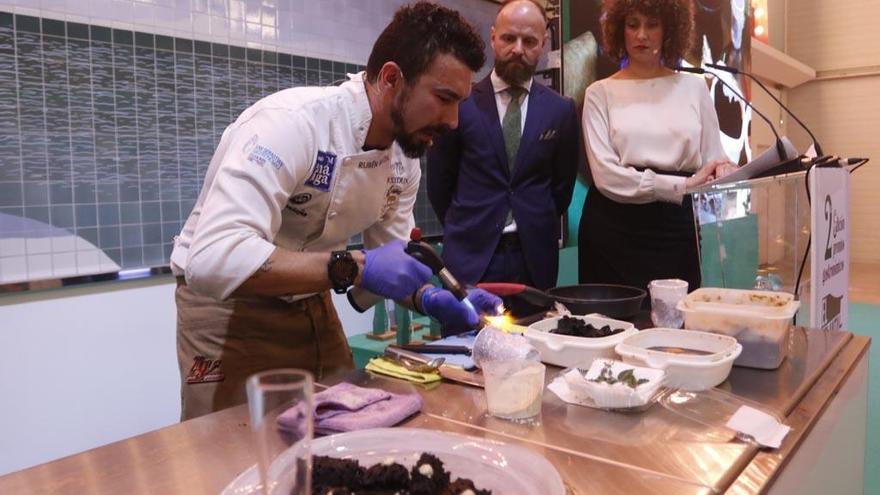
{"type": "Point", "coordinates": [291, 172]}
{"type": "Point", "coordinates": [666, 123]}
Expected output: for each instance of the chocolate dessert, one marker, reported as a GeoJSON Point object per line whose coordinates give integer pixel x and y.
{"type": "Point", "coordinates": [331, 476]}
{"type": "Point", "coordinates": [577, 327]}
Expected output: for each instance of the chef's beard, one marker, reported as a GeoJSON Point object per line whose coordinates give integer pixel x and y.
{"type": "Point", "coordinates": [412, 147]}
{"type": "Point", "coordinates": [514, 71]}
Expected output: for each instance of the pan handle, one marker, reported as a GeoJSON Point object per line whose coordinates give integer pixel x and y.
{"type": "Point", "coordinates": [529, 294]}
{"type": "Point", "coordinates": [501, 288]}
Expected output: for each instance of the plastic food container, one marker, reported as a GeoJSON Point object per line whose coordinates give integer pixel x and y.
{"type": "Point", "coordinates": [759, 320]}
{"type": "Point", "coordinates": [692, 360]}
{"type": "Point", "coordinates": [576, 352]}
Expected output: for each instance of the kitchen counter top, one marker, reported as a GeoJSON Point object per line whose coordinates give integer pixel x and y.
{"type": "Point", "coordinates": [594, 451]}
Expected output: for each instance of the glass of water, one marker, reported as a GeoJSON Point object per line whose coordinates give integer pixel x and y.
{"type": "Point", "coordinates": [665, 295]}
{"type": "Point", "coordinates": [283, 449]}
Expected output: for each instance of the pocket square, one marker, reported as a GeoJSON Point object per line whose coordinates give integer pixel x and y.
{"type": "Point", "coordinates": [547, 135]}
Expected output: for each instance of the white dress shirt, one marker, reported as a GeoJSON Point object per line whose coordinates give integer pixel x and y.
{"type": "Point", "coordinates": [665, 123]}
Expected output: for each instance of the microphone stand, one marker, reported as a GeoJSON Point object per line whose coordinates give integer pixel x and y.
{"type": "Point", "coordinates": [735, 71]}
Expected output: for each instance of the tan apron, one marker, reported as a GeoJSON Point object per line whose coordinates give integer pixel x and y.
{"type": "Point", "coordinates": [221, 343]}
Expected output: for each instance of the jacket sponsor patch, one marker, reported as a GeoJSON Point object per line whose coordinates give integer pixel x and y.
{"type": "Point", "coordinates": [392, 197]}
{"type": "Point", "coordinates": [261, 155]}
{"type": "Point", "coordinates": [322, 172]}
{"type": "Point", "coordinates": [204, 370]}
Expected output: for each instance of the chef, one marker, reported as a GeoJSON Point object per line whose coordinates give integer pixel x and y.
{"type": "Point", "coordinates": [292, 180]}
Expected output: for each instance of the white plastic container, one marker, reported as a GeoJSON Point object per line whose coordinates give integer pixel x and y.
{"type": "Point", "coordinates": [759, 320]}
{"type": "Point", "coordinates": [576, 352]}
{"type": "Point", "coordinates": [655, 348]}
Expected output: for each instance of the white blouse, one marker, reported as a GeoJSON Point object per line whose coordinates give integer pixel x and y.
{"type": "Point", "coordinates": [665, 123]}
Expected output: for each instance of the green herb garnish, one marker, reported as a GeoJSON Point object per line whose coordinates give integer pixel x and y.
{"type": "Point", "coordinates": [627, 377]}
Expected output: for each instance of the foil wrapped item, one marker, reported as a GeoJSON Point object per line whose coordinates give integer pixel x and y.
{"type": "Point", "coordinates": [493, 344]}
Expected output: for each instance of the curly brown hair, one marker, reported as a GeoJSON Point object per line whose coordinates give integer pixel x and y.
{"type": "Point", "coordinates": [676, 17]}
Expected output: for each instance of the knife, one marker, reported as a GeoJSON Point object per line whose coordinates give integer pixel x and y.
{"type": "Point", "coordinates": [453, 373]}
{"type": "Point", "coordinates": [437, 349]}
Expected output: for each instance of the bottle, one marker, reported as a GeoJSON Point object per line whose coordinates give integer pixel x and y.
{"type": "Point", "coordinates": [774, 279]}
{"type": "Point", "coordinates": [762, 281]}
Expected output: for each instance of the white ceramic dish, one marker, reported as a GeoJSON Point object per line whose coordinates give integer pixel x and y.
{"type": "Point", "coordinates": [495, 466]}
{"type": "Point", "coordinates": [683, 371]}
{"type": "Point", "coordinates": [759, 320]}
{"type": "Point", "coordinates": [576, 352]}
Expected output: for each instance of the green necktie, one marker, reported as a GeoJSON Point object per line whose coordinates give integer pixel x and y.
{"type": "Point", "coordinates": [511, 125]}
{"type": "Point", "coordinates": [511, 128]}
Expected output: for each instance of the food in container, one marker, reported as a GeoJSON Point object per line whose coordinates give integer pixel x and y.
{"type": "Point", "coordinates": [570, 351]}
{"type": "Point", "coordinates": [758, 320]}
{"type": "Point", "coordinates": [611, 384]}
{"type": "Point", "coordinates": [692, 360]}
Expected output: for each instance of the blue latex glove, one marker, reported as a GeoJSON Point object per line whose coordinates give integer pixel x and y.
{"type": "Point", "coordinates": [456, 316]}
{"type": "Point", "coordinates": [390, 272]}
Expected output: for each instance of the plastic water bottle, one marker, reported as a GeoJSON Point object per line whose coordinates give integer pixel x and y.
{"type": "Point", "coordinates": [774, 279]}
{"type": "Point", "coordinates": [762, 281]}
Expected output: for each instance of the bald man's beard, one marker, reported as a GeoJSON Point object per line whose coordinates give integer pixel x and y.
{"type": "Point", "coordinates": [515, 70]}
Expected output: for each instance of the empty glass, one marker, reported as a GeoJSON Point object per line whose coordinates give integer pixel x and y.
{"type": "Point", "coordinates": [665, 295]}
{"type": "Point", "coordinates": [284, 453]}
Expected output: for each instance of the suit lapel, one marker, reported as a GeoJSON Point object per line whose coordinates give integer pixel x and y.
{"type": "Point", "coordinates": [532, 126]}
{"type": "Point", "coordinates": [484, 97]}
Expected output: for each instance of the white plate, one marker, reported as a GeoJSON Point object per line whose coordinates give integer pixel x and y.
{"type": "Point", "coordinates": [492, 465]}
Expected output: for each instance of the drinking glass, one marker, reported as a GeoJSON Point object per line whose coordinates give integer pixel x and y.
{"type": "Point", "coordinates": [283, 453]}
{"type": "Point", "coordinates": [665, 295]}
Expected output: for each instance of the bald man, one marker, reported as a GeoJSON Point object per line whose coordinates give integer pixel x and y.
{"type": "Point", "coordinates": [501, 181]}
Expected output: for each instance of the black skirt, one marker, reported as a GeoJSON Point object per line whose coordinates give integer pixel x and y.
{"type": "Point", "coordinates": [632, 244]}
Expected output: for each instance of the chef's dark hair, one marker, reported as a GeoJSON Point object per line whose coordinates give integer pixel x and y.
{"type": "Point", "coordinates": [418, 33]}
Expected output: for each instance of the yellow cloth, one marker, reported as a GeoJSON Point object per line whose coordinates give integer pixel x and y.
{"type": "Point", "coordinates": [385, 367]}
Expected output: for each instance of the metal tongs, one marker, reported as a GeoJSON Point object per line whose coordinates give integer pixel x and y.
{"type": "Point", "coordinates": [413, 361]}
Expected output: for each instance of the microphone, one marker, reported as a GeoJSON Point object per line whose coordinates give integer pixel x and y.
{"type": "Point", "coordinates": [734, 70]}
{"type": "Point", "coordinates": [780, 147]}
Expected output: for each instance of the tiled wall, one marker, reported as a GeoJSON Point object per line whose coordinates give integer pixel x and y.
{"type": "Point", "coordinates": [106, 131]}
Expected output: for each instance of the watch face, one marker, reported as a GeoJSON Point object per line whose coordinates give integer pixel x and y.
{"type": "Point", "coordinates": [342, 270]}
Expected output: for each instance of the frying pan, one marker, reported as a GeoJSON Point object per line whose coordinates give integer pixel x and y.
{"type": "Point", "coordinates": [615, 301]}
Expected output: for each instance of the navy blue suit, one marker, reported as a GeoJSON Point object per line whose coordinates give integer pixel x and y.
{"type": "Point", "coordinates": [472, 190]}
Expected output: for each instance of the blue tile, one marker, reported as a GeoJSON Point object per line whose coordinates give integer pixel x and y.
{"type": "Point", "coordinates": [108, 214]}
{"type": "Point", "coordinates": [132, 236]}
{"type": "Point", "coordinates": [132, 257]}
{"type": "Point", "coordinates": [152, 233]}
{"type": "Point", "coordinates": [36, 193]}
{"type": "Point", "coordinates": [90, 234]}
{"type": "Point", "coordinates": [62, 216]}
{"type": "Point", "coordinates": [38, 213]}
{"type": "Point", "coordinates": [108, 237]}
{"type": "Point", "coordinates": [86, 215]}
{"type": "Point", "coordinates": [130, 213]}
{"type": "Point", "coordinates": [151, 212]}
{"type": "Point", "coordinates": [11, 194]}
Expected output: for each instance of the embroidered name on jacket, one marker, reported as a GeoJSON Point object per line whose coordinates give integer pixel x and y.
{"type": "Point", "coordinates": [261, 155]}
{"type": "Point", "coordinates": [322, 172]}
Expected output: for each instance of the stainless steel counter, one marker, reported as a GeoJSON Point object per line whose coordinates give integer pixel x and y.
{"type": "Point", "coordinates": [595, 451]}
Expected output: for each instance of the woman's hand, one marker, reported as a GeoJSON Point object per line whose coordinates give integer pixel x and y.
{"type": "Point", "coordinates": [723, 168]}
{"type": "Point", "coordinates": [704, 174]}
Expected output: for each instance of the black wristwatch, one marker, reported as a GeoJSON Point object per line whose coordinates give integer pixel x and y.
{"type": "Point", "coordinates": [342, 269]}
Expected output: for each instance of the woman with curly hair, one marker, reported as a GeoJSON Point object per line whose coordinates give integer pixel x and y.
{"type": "Point", "coordinates": [650, 134]}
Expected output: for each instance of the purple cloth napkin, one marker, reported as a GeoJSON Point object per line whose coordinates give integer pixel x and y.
{"type": "Point", "coordinates": [347, 407]}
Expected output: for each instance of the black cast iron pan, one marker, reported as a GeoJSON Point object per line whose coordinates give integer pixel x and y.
{"type": "Point", "coordinates": [615, 301]}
